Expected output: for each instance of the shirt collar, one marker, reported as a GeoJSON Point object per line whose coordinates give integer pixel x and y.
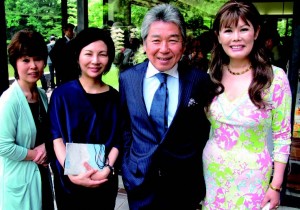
{"type": "Point", "coordinates": [68, 39]}
{"type": "Point", "coordinates": [151, 71]}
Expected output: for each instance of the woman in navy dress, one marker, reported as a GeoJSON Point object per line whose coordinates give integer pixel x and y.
{"type": "Point", "coordinates": [86, 110]}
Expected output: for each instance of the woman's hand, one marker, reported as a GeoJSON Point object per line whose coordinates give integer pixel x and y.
{"type": "Point", "coordinates": [99, 175]}
{"type": "Point", "coordinates": [273, 197]}
{"type": "Point", "coordinates": [86, 180]}
{"type": "Point", "coordinates": [41, 154]}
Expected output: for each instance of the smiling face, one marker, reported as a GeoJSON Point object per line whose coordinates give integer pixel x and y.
{"type": "Point", "coordinates": [30, 69]}
{"type": "Point", "coordinates": [237, 41]}
{"type": "Point", "coordinates": [164, 45]}
{"type": "Point", "coordinates": [93, 59]}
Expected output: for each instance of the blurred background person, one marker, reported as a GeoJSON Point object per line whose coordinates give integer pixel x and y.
{"type": "Point", "coordinates": [50, 45]}
{"type": "Point", "coordinates": [59, 53]}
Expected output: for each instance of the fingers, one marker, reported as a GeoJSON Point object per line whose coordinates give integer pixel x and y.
{"type": "Point", "coordinates": [264, 203]}
{"type": "Point", "coordinates": [40, 158]}
{"type": "Point", "coordinates": [273, 198]}
{"type": "Point", "coordinates": [274, 205]}
{"type": "Point", "coordinates": [41, 154]}
{"type": "Point", "coordinates": [269, 206]}
{"type": "Point", "coordinates": [266, 207]}
{"type": "Point", "coordinates": [95, 183]}
{"type": "Point", "coordinates": [45, 165]}
{"type": "Point", "coordinates": [86, 180]}
{"type": "Point", "coordinates": [103, 174]}
{"type": "Point", "coordinates": [87, 166]}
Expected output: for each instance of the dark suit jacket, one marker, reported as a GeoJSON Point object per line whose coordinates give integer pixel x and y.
{"type": "Point", "coordinates": [179, 154]}
{"type": "Point", "coordinates": [64, 60]}
{"type": "Point", "coordinates": [57, 54]}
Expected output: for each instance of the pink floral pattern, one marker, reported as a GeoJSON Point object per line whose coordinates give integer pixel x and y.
{"type": "Point", "coordinates": [237, 162]}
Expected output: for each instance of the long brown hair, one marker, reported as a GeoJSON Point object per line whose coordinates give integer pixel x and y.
{"type": "Point", "coordinates": [229, 14]}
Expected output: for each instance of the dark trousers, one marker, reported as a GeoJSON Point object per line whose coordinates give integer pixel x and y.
{"type": "Point", "coordinates": [47, 193]}
{"type": "Point", "coordinates": [168, 191]}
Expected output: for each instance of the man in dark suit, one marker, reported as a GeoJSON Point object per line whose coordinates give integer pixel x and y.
{"type": "Point", "coordinates": [60, 55]}
{"type": "Point", "coordinates": [162, 168]}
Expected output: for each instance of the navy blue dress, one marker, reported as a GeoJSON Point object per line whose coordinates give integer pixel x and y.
{"type": "Point", "coordinates": [78, 117]}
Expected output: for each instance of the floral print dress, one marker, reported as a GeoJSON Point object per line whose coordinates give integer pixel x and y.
{"type": "Point", "coordinates": [236, 160]}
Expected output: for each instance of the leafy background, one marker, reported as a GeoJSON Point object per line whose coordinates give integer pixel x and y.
{"type": "Point", "coordinates": [44, 16]}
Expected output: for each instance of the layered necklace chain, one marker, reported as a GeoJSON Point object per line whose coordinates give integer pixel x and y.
{"type": "Point", "coordinates": [239, 73]}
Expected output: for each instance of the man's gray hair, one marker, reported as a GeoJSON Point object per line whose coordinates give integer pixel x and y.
{"type": "Point", "coordinates": [165, 13]}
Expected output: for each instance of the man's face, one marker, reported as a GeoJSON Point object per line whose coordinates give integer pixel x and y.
{"type": "Point", "coordinates": [164, 45]}
{"type": "Point", "coordinates": [69, 33]}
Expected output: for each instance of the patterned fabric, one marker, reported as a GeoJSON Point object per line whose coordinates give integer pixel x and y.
{"type": "Point", "coordinates": [237, 163]}
{"type": "Point", "coordinates": [159, 107]}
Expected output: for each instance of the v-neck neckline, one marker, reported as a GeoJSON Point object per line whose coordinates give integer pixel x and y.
{"type": "Point", "coordinates": [229, 107]}
{"type": "Point", "coordinates": [235, 100]}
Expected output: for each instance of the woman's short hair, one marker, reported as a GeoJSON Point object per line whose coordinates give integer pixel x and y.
{"type": "Point", "coordinates": [92, 34]}
{"type": "Point", "coordinates": [165, 13]}
{"type": "Point", "coordinates": [26, 42]}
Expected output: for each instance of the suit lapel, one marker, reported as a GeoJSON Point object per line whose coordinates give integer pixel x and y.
{"type": "Point", "coordinates": [185, 89]}
{"type": "Point", "coordinates": [140, 74]}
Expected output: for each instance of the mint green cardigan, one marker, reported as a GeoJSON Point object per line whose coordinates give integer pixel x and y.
{"type": "Point", "coordinates": [20, 181]}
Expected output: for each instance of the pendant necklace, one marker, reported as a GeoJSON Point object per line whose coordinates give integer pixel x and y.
{"type": "Point", "coordinates": [31, 100]}
{"type": "Point", "coordinates": [238, 73]}
{"type": "Point", "coordinates": [40, 118]}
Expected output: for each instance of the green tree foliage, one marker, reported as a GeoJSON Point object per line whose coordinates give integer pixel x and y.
{"type": "Point", "coordinates": [137, 15]}
{"type": "Point", "coordinates": [43, 16]}
{"type": "Point", "coordinates": [95, 11]}
{"type": "Point", "coordinates": [72, 11]}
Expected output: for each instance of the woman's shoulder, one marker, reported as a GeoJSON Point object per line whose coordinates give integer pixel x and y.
{"type": "Point", "coordinates": [278, 71]}
{"type": "Point", "coordinates": [113, 92]}
{"type": "Point", "coordinates": [11, 94]}
{"type": "Point", "coordinates": [12, 101]}
{"type": "Point", "coordinates": [42, 93]}
{"type": "Point", "coordinates": [279, 75]}
{"type": "Point", "coordinates": [280, 84]}
{"type": "Point", "coordinates": [67, 88]}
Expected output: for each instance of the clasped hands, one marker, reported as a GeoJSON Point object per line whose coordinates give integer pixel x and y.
{"type": "Point", "coordinates": [40, 155]}
{"type": "Point", "coordinates": [91, 178]}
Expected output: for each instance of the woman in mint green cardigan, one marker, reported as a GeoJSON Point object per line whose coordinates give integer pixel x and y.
{"type": "Point", "coordinates": [24, 180]}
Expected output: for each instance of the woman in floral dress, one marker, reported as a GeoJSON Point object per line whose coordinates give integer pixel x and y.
{"type": "Point", "coordinates": [252, 102]}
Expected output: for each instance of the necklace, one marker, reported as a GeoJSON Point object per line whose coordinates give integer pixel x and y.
{"type": "Point", "coordinates": [238, 73]}
{"type": "Point", "coordinates": [36, 110]}
{"type": "Point", "coordinates": [40, 118]}
{"type": "Point", "coordinates": [31, 96]}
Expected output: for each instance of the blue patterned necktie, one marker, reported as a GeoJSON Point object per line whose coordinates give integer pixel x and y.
{"type": "Point", "coordinates": [159, 107]}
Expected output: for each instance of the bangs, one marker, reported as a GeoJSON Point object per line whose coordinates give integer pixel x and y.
{"type": "Point", "coordinates": [30, 44]}
{"type": "Point", "coordinates": [231, 19]}
{"type": "Point", "coordinates": [31, 51]}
